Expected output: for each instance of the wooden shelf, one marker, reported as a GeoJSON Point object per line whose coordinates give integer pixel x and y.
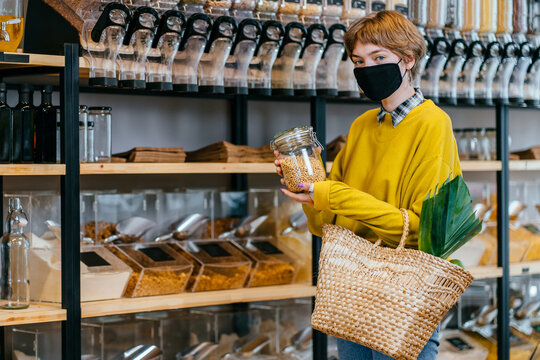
{"type": "Point", "coordinates": [36, 313]}
{"type": "Point", "coordinates": [485, 272]}
{"type": "Point", "coordinates": [189, 300]}
{"type": "Point", "coordinates": [516, 269]}
{"type": "Point", "coordinates": [32, 169]}
{"type": "Point", "coordinates": [176, 168]}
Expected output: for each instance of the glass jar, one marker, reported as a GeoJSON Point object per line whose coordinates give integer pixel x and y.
{"type": "Point", "coordinates": [485, 153]}
{"type": "Point", "coordinates": [462, 144]}
{"type": "Point", "coordinates": [102, 121]}
{"type": "Point", "coordinates": [332, 8]}
{"type": "Point", "coordinates": [492, 136]}
{"type": "Point", "coordinates": [11, 25]}
{"type": "Point", "coordinates": [299, 157]}
{"type": "Point", "coordinates": [471, 18]}
{"type": "Point", "coordinates": [269, 7]}
{"type": "Point", "coordinates": [289, 7]}
{"type": "Point", "coordinates": [488, 9]}
{"type": "Point", "coordinates": [475, 150]}
{"type": "Point", "coordinates": [311, 9]}
{"type": "Point", "coordinates": [244, 4]}
{"type": "Point", "coordinates": [83, 134]}
{"type": "Point", "coordinates": [436, 14]}
{"type": "Point", "coordinates": [352, 10]}
{"type": "Point", "coordinates": [504, 16]}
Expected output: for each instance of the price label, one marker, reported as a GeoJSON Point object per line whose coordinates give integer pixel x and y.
{"type": "Point", "coordinates": [92, 259]}
{"type": "Point", "coordinates": [378, 6]}
{"type": "Point", "coordinates": [459, 344]}
{"type": "Point", "coordinates": [335, 2]}
{"type": "Point", "coordinates": [314, 2]}
{"type": "Point", "coordinates": [358, 4]}
{"type": "Point", "coordinates": [215, 250]}
{"type": "Point", "coordinates": [156, 254]}
{"type": "Point", "coordinates": [266, 247]}
{"type": "Point", "coordinates": [402, 9]}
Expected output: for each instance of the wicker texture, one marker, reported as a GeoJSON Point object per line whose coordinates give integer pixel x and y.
{"type": "Point", "coordinates": [390, 300]}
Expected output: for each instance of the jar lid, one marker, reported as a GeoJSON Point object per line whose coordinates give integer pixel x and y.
{"type": "Point", "coordinates": [294, 133]}
{"type": "Point", "coordinates": [100, 108]}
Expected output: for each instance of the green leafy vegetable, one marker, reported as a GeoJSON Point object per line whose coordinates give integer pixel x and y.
{"type": "Point", "coordinates": [447, 220]}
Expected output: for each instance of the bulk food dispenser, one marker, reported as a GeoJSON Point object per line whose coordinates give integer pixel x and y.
{"type": "Point", "coordinates": [310, 12]}
{"type": "Point", "coordinates": [440, 48]}
{"type": "Point", "coordinates": [243, 9]}
{"type": "Point", "coordinates": [519, 73]}
{"type": "Point", "coordinates": [218, 48]}
{"type": "Point", "coordinates": [418, 14]}
{"type": "Point", "coordinates": [532, 81]}
{"type": "Point", "coordinates": [533, 22]}
{"type": "Point", "coordinates": [352, 10]}
{"type": "Point", "coordinates": [501, 82]}
{"type": "Point", "coordinates": [347, 85]}
{"type": "Point", "coordinates": [327, 71]}
{"type": "Point", "coordinates": [186, 61]}
{"type": "Point", "coordinates": [305, 70]}
{"type": "Point", "coordinates": [260, 68]}
{"type": "Point", "coordinates": [217, 8]}
{"type": "Point", "coordinates": [448, 82]}
{"type": "Point", "coordinates": [12, 25]}
{"type": "Point", "coordinates": [136, 45]}
{"type": "Point", "coordinates": [289, 53]}
{"type": "Point", "coordinates": [101, 37]}
{"type": "Point", "coordinates": [331, 12]}
{"type": "Point", "coordinates": [454, 19]}
{"type": "Point", "coordinates": [190, 7]}
{"type": "Point", "coordinates": [401, 6]}
{"type": "Point", "coordinates": [467, 81]}
{"type": "Point", "coordinates": [288, 11]}
{"type": "Point", "coordinates": [243, 49]}
{"type": "Point", "coordinates": [164, 48]}
{"type": "Point", "coordinates": [266, 10]}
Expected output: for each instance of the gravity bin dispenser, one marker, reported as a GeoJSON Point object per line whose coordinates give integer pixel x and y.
{"type": "Point", "coordinates": [449, 78]}
{"type": "Point", "coordinates": [186, 61]}
{"type": "Point", "coordinates": [218, 48]}
{"type": "Point", "coordinates": [440, 50]}
{"type": "Point", "coordinates": [532, 81]}
{"type": "Point", "coordinates": [289, 53]}
{"type": "Point", "coordinates": [101, 38]}
{"type": "Point", "coordinates": [517, 80]}
{"type": "Point", "coordinates": [327, 71]}
{"type": "Point", "coordinates": [483, 93]}
{"type": "Point", "coordinates": [242, 51]}
{"type": "Point", "coordinates": [306, 67]}
{"type": "Point", "coordinates": [164, 48]}
{"type": "Point", "coordinates": [260, 68]}
{"type": "Point", "coordinates": [136, 45]}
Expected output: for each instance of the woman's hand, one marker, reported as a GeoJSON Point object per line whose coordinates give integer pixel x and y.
{"type": "Point", "coordinates": [302, 198]}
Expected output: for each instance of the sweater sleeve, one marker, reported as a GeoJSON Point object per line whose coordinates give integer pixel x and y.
{"type": "Point", "coordinates": [317, 218]}
{"type": "Point", "coordinates": [383, 218]}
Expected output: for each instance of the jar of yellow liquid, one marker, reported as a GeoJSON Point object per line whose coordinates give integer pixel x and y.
{"type": "Point", "coordinates": [11, 24]}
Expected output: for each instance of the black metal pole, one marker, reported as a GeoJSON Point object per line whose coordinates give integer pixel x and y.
{"type": "Point", "coordinates": [503, 283]}
{"type": "Point", "coordinates": [318, 122]}
{"type": "Point", "coordinates": [71, 298]}
{"type": "Point", "coordinates": [239, 134]}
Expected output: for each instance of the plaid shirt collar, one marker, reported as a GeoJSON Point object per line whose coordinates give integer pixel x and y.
{"type": "Point", "coordinates": [403, 109]}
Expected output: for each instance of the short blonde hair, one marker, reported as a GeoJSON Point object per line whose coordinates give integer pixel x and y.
{"type": "Point", "coordinates": [391, 30]}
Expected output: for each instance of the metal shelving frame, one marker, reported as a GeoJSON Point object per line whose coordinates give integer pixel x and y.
{"type": "Point", "coordinates": [70, 183]}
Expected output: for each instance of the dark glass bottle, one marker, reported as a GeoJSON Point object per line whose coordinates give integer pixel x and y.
{"type": "Point", "coordinates": [24, 118]}
{"type": "Point", "coordinates": [46, 128]}
{"type": "Point", "coordinates": [6, 128]}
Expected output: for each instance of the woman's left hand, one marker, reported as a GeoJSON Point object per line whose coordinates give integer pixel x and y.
{"type": "Point", "coordinates": [302, 198]}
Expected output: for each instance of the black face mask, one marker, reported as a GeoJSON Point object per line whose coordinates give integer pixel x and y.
{"type": "Point", "coordinates": [379, 81]}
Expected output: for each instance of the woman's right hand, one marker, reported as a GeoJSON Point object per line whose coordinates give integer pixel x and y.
{"type": "Point", "coordinates": [278, 167]}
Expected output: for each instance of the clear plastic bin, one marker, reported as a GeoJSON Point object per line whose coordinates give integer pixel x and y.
{"type": "Point", "coordinates": [271, 263]}
{"type": "Point", "coordinates": [223, 265]}
{"type": "Point", "coordinates": [119, 333]}
{"type": "Point", "coordinates": [157, 269]}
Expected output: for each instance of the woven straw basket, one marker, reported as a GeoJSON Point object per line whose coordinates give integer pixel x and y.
{"type": "Point", "coordinates": [390, 300]}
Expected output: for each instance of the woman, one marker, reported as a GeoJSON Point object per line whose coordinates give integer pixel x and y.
{"type": "Point", "coordinates": [394, 155]}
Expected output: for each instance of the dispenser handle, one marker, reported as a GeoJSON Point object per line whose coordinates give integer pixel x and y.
{"type": "Point", "coordinates": [264, 33]}
{"type": "Point", "coordinates": [332, 38]}
{"type": "Point", "coordinates": [192, 31]}
{"type": "Point", "coordinates": [311, 41]}
{"type": "Point", "coordinates": [164, 26]}
{"type": "Point", "coordinates": [135, 24]}
{"type": "Point", "coordinates": [105, 20]}
{"type": "Point", "coordinates": [241, 36]}
{"type": "Point", "coordinates": [218, 34]}
{"type": "Point", "coordinates": [287, 39]}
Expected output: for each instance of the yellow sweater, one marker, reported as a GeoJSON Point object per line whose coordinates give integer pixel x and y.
{"type": "Point", "coordinates": [382, 169]}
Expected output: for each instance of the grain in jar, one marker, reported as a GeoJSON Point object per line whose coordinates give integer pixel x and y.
{"type": "Point", "coordinates": [311, 8]}
{"type": "Point", "coordinates": [436, 14]}
{"type": "Point", "coordinates": [353, 9]}
{"type": "Point", "coordinates": [471, 21]}
{"type": "Point", "coordinates": [504, 16]}
{"type": "Point", "coordinates": [243, 4]}
{"type": "Point", "coordinates": [289, 7]}
{"type": "Point", "coordinates": [488, 11]}
{"type": "Point", "coordinates": [267, 7]}
{"type": "Point", "coordinates": [332, 8]}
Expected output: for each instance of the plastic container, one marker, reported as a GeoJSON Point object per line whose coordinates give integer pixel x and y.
{"type": "Point", "coordinates": [352, 10]}
{"type": "Point", "coordinates": [157, 269]}
{"type": "Point", "coordinates": [218, 7]}
{"type": "Point", "coordinates": [504, 17]}
{"type": "Point", "coordinates": [519, 17]}
{"type": "Point", "coordinates": [436, 14]}
{"type": "Point", "coordinates": [266, 9]}
{"type": "Point", "coordinates": [222, 265]}
{"type": "Point", "coordinates": [299, 157]}
{"type": "Point", "coordinates": [289, 7]}
{"type": "Point", "coordinates": [418, 12]}
{"type": "Point", "coordinates": [11, 25]}
{"type": "Point", "coordinates": [471, 16]}
{"type": "Point", "coordinates": [101, 117]}
{"type": "Point", "coordinates": [488, 11]}
{"type": "Point", "coordinates": [311, 8]}
{"type": "Point", "coordinates": [270, 264]}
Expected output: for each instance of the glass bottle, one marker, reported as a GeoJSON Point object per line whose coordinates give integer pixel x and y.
{"type": "Point", "coordinates": [46, 128]}
{"type": "Point", "coordinates": [6, 127]}
{"type": "Point", "coordinates": [101, 117]}
{"type": "Point", "coordinates": [24, 118]}
{"type": "Point", "coordinates": [83, 133]}
{"type": "Point", "coordinates": [14, 279]}
{"type": "Point", "coordinates": [90, 139]}
{"type": "Point", "coordinates": [474, 145]}
{"type": "Point", "coordinates": [11, 25]}
{"type": "Point", "coordinates": [299, 157]}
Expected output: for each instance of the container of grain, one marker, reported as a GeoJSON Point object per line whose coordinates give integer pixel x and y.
{"type": "Point", "coordinates": [299, 157]}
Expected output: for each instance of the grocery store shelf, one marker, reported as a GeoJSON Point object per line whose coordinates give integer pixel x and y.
{"type": "Point", "coordinates": [18, 60]}
{"type": "Point", "coordinates": [176, 168]}
{"type": "Point", "coordinates": [36, 313]}
{"type": "Point", "coordinates": [188, 300]}
{"type": "Point", "coordinates": [525, 165]}
{"type": "Point", "coordinates": [485, 272]}
{"type": "Point", "coordinates": [32, 169]}
{"type": "Point", "coordinates": [481, 166]}
{"type": "Point", "coordinates": [516, 269]}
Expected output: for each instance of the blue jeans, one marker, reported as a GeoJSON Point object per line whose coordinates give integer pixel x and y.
{"type": "Point", "coordinates": [352, 351]}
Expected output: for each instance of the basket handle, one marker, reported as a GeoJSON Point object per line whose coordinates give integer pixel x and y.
{"type": "Point", "coordinates": [405, 234]}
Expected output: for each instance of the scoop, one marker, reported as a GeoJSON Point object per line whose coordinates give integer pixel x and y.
{"type": "Point", "coordinates": [133, 227]}
{"type": "Point", "coordinates": [184, 228]}
{"type": "Point", "coordinates": [300, 340]}
{"type": "Point", "coordinates": [198, 352]}
{"type": "Point", "coordinates": [247, 227]}
{"type": "Point", "coordinates": [297, 221]}
{"type": "Point", "coordinates": [140, 352]}
{"type": "Point", "coordinates": [56, 229]}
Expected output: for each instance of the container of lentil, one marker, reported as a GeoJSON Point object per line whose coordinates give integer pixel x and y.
{"type": "Point", "coordinates": [299, 157]}
{"type": "Point", "coordinates": [270, 263]}
{"type": "Point", "coordinates": [156, 269]}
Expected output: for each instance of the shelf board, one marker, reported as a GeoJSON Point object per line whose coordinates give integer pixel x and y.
{"type": "Point", "coordinates": [36, 313]}
{"type": "Point", "coordinates": [525, 165]}
{"type": "Point", "coordinates": [516, 269]}
{"type": "Point", "coordinates": [32, 169]}
{"type": "Point", "coordinates": [176, 168]}
{"type": "Point", "coordinates": [485, 272]}
{"type": "Point", "coordinates": [189, 300]}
